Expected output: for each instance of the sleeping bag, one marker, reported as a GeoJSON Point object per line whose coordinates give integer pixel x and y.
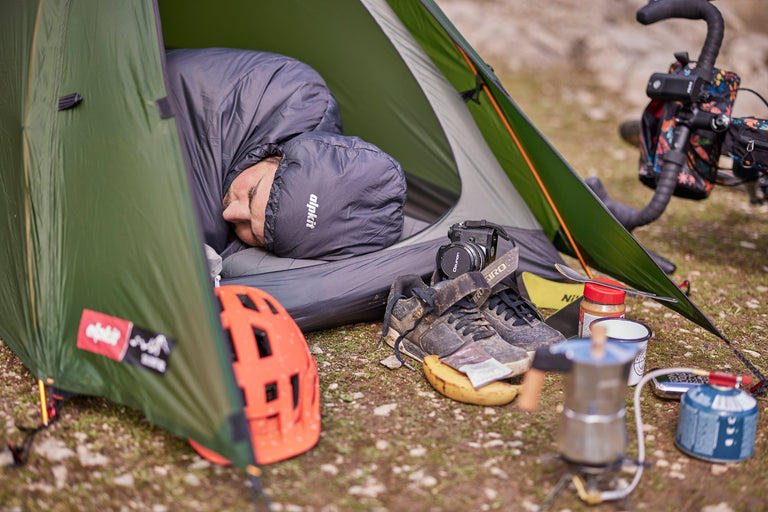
{"type": "Point", "coordinates": [333, 196]}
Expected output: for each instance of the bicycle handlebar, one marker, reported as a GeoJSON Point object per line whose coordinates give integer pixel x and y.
{"type": "Point", "coordinates": [658, 10]}
{"type": "Point", "coordinates": [674, 159]}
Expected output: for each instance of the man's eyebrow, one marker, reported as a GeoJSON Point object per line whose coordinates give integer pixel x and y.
{"type": "Point", "coordinates": [251, 195]}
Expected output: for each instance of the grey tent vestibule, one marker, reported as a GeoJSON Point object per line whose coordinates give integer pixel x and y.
{"type": "Point", "coordinates": [98, 221]}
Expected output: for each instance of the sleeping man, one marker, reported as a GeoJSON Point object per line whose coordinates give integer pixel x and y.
{"type": "Point", "coordinates": [269, 164]}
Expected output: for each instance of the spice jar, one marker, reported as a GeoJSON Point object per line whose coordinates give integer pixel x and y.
{"type": "Point", "coordinates": [600, 302]}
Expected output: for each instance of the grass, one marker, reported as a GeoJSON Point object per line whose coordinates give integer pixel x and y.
{"type": "Point", "coordinates": [431, 453]}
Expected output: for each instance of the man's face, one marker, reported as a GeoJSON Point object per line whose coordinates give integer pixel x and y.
{"type": "Point", "coordinates": [245, 202]}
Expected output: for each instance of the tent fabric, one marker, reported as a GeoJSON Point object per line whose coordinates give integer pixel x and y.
{"type": "Point", "coordinates": [99, 224]}
{"type": "Point", "coordinates": [97, 217]}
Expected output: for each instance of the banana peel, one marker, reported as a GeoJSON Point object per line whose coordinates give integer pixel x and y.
{"type": "Point", "coordinates": [457, 386]}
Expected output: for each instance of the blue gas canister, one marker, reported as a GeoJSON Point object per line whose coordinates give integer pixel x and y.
{"type": "Point", "coordinates": [717, 421]}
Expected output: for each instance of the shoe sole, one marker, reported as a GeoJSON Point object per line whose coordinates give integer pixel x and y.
{"type": "Point", "coordinates": [409, 349]}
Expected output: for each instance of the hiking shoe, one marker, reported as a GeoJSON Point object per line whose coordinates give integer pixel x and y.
{"type": "Point", "coordinates": [518, 321]}
{"type": "Point", "coordinates": [421, 321]}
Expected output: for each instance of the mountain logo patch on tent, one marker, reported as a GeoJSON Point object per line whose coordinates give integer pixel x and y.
{"type": "Point", "coordinates": [149, 350]}
{"type": "Point", "coordinates": [122, 341]}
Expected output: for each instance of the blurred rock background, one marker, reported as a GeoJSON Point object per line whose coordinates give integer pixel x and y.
{"type": "Point", "coordinates": [602, 38]}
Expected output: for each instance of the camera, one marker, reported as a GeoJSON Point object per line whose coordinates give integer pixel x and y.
{"type": "Point", "coordinates": [472, 247]}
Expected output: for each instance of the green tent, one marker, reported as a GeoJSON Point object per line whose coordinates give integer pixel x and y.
{"type": "Point", "coordinates": [98, 221]}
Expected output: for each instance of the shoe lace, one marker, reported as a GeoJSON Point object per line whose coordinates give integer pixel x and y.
{"type": "Point", "coordinates": [469, 320]}
{"type": "Point", "coordinates": [509, 303]}
{"type": "Point", "coordinates": [427, 297]}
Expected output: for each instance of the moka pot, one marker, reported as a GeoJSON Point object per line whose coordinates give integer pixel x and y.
{"type": "Point", "coordinates": [593, 425]}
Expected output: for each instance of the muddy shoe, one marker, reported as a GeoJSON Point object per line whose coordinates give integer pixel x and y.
{"type": "Point", "coordinates": [421, 321]}
{"type": "Point", "coordinates": [518, 321]}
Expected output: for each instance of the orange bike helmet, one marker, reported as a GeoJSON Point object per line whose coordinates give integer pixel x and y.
{"type": "Point", "coordinates": [276, 373]}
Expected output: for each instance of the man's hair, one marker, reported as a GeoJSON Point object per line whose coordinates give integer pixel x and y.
{"type": "Point", "coordinates": [274, 158]}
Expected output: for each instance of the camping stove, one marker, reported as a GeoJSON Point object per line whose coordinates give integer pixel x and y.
{"type": "Point", "coordinates": [592, 435]}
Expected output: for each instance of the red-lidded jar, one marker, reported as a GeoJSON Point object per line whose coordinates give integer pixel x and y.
{"type": "Point", "coordinates": [600, 302]}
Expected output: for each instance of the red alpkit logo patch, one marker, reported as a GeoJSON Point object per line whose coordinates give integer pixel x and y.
{"type": "Point", "coordinates": [103, 334]}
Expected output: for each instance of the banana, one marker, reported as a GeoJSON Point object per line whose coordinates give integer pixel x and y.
{"type": "Point", "coordinates": [457, 386]}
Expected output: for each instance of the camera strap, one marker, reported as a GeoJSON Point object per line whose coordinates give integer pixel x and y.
{"type": "Point", "coordinates": [503, 266]}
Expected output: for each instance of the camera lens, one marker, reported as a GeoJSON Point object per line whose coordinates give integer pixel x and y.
{"type": "Point", "coordinates": [460, 257]}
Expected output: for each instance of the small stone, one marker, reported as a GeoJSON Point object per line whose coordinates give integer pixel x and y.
{"type": "Point", "coordinates": [330, 469]}
{"type": "Point", "coordinates": [6, 458]}
{"type": "Point", "coordinates": [391, 362]}
{"type": "Point", "coordinates": [200, 464]}
{"type": "Point", "coordinates": [192, 479]}
{"type": "Point", "coordinates": [125, 480]}
{"type": "Point", "coordinates": [499, 473]}
{"type": "Point", "coordinates": [60, 476]}
{"type": "Point", "coordinates": [419, 451]}
{"type": "Point", "coordinates": [53, 449]}
{"type": "Point", "coordinates": [371, 489]}
{"type": "Point", "coordinates": [89, 458]}
{"type": "Point", "coordinates": [384, 410]}
{"type": "Point", "coordinates": [720, 507]}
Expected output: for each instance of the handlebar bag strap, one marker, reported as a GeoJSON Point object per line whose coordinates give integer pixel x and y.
{"type": "Point", "coordinates": [746, 142]}
{"type": "Point", "coordinates": [698, 175]}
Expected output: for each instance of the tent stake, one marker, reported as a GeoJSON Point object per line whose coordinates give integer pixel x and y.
{"type": "Point", "coordinates": [43, 402]}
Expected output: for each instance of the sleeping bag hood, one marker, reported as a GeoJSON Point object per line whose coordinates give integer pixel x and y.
{"type": "Point", "coordinates": [333, 197]}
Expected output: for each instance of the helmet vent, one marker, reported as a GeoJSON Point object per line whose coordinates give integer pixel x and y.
{"type": "Point", "coordinates": [271, 306]}
{"type": "Point", "coordinates": [243, 395]}
{"type": "Point", "coordinates": [295, 388]}
{"type": "Point", "coordinates": [271, 391]}
{"type": "Point", "coordinates": [262, 342]}
{"type": "Point", "coordinates": [247, 302]}
{"type": "Point", "coordinates": [230, 345]}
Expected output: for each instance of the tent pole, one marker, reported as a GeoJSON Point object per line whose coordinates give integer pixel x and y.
{"type": "Point", "coordinates": [529, 164]}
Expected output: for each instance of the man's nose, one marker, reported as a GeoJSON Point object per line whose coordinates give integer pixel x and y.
{"type": "Point", "coordinates": [236, 212]}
